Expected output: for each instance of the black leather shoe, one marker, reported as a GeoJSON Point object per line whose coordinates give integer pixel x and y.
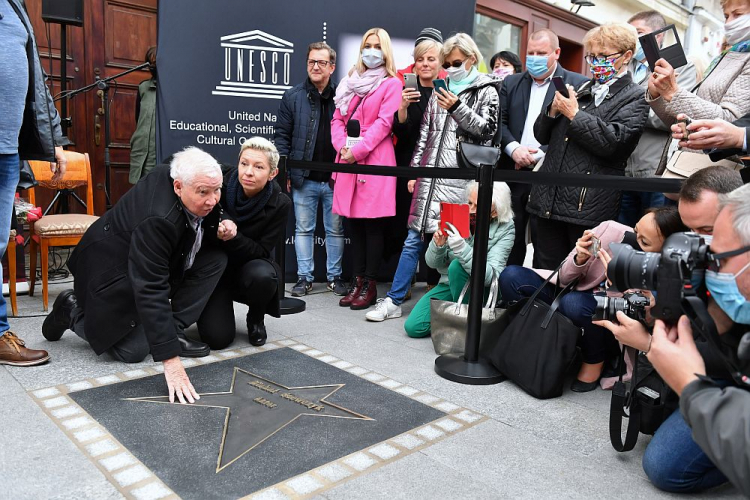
{"type": "Point", "coordinates": [192, 348]}
{"type": "Point", "coordinates": [578, 386]}
{"type": "Point", "coordinates": [58, 320]}
{"type": "Point", "coordinates": [256, 333]}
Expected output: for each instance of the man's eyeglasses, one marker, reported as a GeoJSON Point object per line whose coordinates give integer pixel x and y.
{"type": "Point", "coordinates": [714, 259]}
{"type": "Point", "coordinates": [455, 64]}
{"type": "Point", "coordinates": [593, 59]}
{"type": "Point", "coordinates": [312, 62]}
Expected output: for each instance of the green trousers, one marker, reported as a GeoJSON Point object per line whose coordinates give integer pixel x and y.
{"type": "Point", "coordinates": [418, 323]}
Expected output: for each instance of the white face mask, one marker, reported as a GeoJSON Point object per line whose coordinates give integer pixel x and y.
{"type": "Point", "coordinates": [372, 58]}
{"type": "Point", "coordinates": [458, 74]}
{"type": "Point", "coordinates": [738, 30]}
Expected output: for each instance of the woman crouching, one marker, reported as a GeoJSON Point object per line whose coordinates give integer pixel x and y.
{"type": "Point", "coordinates": [254, 219]}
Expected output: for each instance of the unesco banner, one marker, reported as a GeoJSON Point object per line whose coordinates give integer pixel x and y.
{"type": "Point", "coordinates": [225, 64]}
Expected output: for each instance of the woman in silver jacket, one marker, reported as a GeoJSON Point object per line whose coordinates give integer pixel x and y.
{"type": "Point", "coordinates": [468, 111]}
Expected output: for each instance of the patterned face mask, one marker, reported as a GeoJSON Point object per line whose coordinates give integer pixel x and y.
{"type": "Point", "coordinates": [603, 70]}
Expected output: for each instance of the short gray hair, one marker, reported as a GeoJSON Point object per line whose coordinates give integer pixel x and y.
{"type": "Point", "coordinates": [465, 44]}
{"type": "Point", "coordinates": [265, 146]}
{"type": "Point", "coordinates": [193, 162]}
{"type": "Point", "coordinates": [500, 199]}
{"type": "Point", "coordinates": [738, 201]}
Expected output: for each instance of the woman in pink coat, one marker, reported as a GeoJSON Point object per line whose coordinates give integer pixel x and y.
{"type": "Point", "coordinates": [371, 95]}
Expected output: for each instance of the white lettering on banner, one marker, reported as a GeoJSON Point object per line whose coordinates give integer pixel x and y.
{"type": "Point", "coordinates": [260, 64]}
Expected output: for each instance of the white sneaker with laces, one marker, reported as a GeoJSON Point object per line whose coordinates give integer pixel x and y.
{"type": "Point", "coordinates": [384, 309]}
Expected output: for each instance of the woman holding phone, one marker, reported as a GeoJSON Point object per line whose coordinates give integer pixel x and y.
{"type": "Point", "coordinates": [468, 111]}
{"type": "Point", "coordinates": [370, 94]}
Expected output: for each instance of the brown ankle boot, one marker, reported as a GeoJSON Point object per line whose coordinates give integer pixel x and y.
{"type": "Point", "coordinates": [367, 295]}
{"type": "Point", "coordinates": [14, 352]}
{"type": "Point", "coordinates": [354, 288]}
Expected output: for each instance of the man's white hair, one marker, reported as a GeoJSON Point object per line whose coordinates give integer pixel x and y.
{"type": "Point", "coordinates": [500, 199]}
{"type": "Point", "coordinates": [738, 201]}
{"type": "Point", "coordinates": [193, 162]}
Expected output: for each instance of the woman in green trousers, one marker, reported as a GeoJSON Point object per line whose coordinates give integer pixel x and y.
{"type": "Point", "coordinates": [451, 256]}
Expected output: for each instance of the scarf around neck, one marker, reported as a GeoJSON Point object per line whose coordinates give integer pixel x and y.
{"type": "Point", "coordinates": [242, 208]}
{"type": "Point", "coordinates": [459, 86]}
{"type": "Point", "coordinates": [601, 90]}
{"type": "Point", "coordinates": [356, 84]}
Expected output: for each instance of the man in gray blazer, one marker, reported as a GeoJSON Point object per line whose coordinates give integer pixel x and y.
{"type": "Point", "coordinates": [645, 159]}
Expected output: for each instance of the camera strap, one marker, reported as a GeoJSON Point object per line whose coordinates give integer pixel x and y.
{"type": "Point", "coordinates": [621, 399]}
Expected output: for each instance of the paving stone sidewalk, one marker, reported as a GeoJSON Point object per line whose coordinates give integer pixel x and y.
{"type": "Point", "coordinates": [510, 445]}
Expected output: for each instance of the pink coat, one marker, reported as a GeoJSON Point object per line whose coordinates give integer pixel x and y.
{"type": "Point", "coordinates": [368, 196]}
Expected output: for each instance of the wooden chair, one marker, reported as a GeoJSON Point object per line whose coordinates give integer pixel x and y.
{"type": "Point", "coordinates": [11, 251]}
{"type": "Point", "coordinates": [61, 230]}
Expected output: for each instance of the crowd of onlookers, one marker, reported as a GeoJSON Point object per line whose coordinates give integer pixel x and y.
{"type": "Point", "coordinates": [193, 237]}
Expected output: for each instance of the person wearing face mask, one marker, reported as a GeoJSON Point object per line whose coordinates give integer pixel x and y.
{"type": "Point", "coordinates": [522, 99]}
{"type": "Point", "coordinates": [468, 111]}
{"type": "Point", "coordinates": [593, 131]}
{"type": "Point", "coordinates": [597, 344]}
{"type": "Point", "coordinates": [370, 94]}
{"type": "Point", "coordinates": [505, 63]}
{"type": "Point", "coordinates": [723, 91]}
{"type": "Point", "coordinates": [645, 159]}
{"type": "Point", "coordinates": [451, 255]}
{"type": "Point", "coordinates": [143, 140]}
{"type": "Point", "coordinates": [713, 421]}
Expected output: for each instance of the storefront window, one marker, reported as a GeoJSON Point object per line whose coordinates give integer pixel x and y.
{"type": "Point", "coordinates": [493, 35]}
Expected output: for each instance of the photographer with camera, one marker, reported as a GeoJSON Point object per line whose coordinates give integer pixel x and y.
{"type": "Point", "coordinates": [719, 417]}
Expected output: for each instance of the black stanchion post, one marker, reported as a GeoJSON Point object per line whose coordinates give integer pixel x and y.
{"type": "Point", "coordinates": [287, 305]}
{"type": "Point", "coordinates": [468, 368]}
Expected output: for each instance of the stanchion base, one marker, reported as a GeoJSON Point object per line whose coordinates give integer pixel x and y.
{"type": "Point", "coordinates": [289, 305]}
{"type": "Point", "coordinates": [455, 368]}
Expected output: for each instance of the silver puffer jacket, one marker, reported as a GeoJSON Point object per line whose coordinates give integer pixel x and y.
{"type": "Point", "coordinates": [475, 120]}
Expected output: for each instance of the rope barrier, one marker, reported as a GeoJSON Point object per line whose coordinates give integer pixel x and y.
{"type": "Point", "coordinates": [617, 182]}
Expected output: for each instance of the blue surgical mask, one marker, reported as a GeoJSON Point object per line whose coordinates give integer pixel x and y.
{"type": "Point", "coordinates": [372, 58]}
{"type": "Point", "coordinates": [707, 238]}
{"type": "Point", "coordinates": [724, 290]}
{"type": "Point", "coordinates": [639, 54]}
{"type": "Point", "coordinates": [536, 65]}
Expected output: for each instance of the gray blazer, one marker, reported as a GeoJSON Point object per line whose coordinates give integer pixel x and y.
{"type": "Point", "coordinates": [645, 159]}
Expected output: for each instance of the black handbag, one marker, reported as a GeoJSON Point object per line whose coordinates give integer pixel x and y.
{"type": "Point", "coordinates": [648, 403]}
{"type": "Point", "coordinates": [539, 344]}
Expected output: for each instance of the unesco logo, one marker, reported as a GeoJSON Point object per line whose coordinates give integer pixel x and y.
{"type": "Point", "coordinates": [256, 64]}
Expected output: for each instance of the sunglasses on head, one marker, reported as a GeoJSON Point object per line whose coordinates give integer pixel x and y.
{"type": "Point", "coordinates": [455, 64]}
{"type": "Point", "coordinates": [714, 259]}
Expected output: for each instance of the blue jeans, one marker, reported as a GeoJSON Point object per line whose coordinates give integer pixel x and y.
{"type": "Point", "coordinates": [9, 172]}
{"type": "Point", "coordinates": [597, 343]}
{"type": "Point", "coordinates": [407, 266]}
{"type": "Point", "coordinates": [674, 462]}
{"type": "Point", "coordinates": [306, 201]}
{"type": "Point", "coordinates": [635, 203]}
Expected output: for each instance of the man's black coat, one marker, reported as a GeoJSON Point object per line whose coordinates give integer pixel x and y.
{"type": "Point", "coordinates": [514, 101]}
{"type": "Point", "coordinates": [126, 262]}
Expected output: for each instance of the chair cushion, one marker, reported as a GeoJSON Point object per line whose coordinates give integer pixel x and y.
{"type": "Point", "coordinates": [63, 224]}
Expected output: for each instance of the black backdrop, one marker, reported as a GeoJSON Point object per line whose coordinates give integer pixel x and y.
{"type": "Point", "coordinates": [224, 64]}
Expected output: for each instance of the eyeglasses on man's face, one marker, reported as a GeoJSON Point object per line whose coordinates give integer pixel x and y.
{"type": "Point", "coordinates": [322, 64]}
{"type": "Point", "coordinates": [715, 259]}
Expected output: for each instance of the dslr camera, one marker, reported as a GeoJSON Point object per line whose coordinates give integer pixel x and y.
{"type": "Point", "coordinates": [667, 273]}
{"type": "Point", "coordinates": [633, 304]}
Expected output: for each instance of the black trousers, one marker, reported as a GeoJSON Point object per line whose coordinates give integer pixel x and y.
{"type": "Point", "coordinates": [554, 241]}
{"type": "Point", "coordinates": [519, 196]}
{"type": "Point", "coordinates": [188, 298]}
{"type": "Point", "coordinates": [254, 283]}
{"type": "Point", "coordinates": [368, 242]}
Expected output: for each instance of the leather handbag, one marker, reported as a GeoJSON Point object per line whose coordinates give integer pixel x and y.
{"type": "Point", "coordinates": [539, 344]}
{"type": "Point", "coordinates": [448, 322]}
{"type": "Point", "coordinates": [682, 164]}
{"type": "Point", "coordinates": [472, 155]}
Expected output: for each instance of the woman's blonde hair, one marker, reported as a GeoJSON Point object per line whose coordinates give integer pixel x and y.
{"type": "Point", "coordinates": [465, 44]}
{"type": "Point", "coordinates": [264, 146]}
{"type": "Point", "coordinates": [385, 47]}
{"type": "Point", "coordinates": [620, 36]}
{"type": "Point", "coordinates": [500, 199]}
{"type": "Point", "coordinates": [425, 46]}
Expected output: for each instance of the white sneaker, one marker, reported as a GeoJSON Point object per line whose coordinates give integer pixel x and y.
{"type": "Point", "coordinates": [384, 309]}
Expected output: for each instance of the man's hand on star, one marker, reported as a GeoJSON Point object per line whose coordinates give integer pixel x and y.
{"type": "Point", "coordinates": [178, 382]}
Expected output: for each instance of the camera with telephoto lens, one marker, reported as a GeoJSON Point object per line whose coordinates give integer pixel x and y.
{"type": "Point", "coordinates": [632, 304]}
{"type": "Point", "coordinates": [667, 273]}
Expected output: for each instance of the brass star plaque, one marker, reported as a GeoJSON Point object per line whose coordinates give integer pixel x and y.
{"type": "Point", "coordinates": [258, 408]}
